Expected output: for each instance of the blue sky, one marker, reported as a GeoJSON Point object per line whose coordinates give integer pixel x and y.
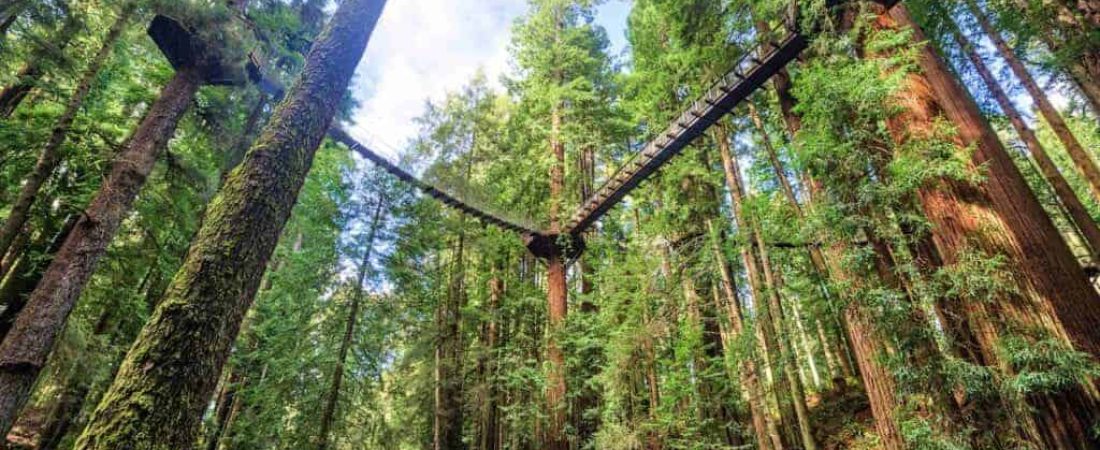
{"type": "Point", "coordinates": [422, 49]}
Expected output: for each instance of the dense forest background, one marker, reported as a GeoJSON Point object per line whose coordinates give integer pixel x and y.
{"type": "Point", "coordinates": [893, 245]}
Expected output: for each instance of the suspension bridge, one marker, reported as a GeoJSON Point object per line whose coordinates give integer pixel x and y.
{"type": "Point", "coordinates": [748, 75]}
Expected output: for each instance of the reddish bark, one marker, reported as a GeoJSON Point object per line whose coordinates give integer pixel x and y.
{"type": "Point", "coordinates": [555, 380]}
{"type": "Point", "coordinates": [23, 354]}
{"type": "Point", "coordinates": [999, 216]}
{"type": "Point", "coordinates": [1075, 209]}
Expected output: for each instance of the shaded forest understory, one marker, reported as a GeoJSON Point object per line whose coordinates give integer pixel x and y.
{"type": "Point", "coordinates": [887, 240]}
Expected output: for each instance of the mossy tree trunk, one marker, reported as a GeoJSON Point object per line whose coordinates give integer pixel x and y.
{"type": "Point", "coordinates": [157, 399]}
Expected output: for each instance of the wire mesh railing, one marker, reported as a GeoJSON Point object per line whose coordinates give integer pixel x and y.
{"type": "Point", "coordinates": [747, 75]}
{"type": "Point", "coordinates": [469, 199]}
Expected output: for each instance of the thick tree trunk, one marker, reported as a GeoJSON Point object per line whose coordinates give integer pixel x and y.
{"type": "Point", "coordinates": [1075, 209]}
{"type": "Point", "coordinates": [557, 294]}
{"type": "Point", "coordinates": [555, 380]}
{"type": "Point", "coordinates": [51, 153]}
{"type": "Point", "coordinates": [878, 381]}
{"type": "Point", "coordinates": [26, 273]}
{"type": "Point", "coordinates": [329, 413]}
{"type": "Point", "coordinates": [1001, 217]}
{"type": "Point", "coordinates": [179, 354]}
{"type": "Point", "coordinates": [1076, 151]}
{"type": "Point", "coordinates": [24, 352]}
{"type": "Point", "coordinates": [1033, 245]}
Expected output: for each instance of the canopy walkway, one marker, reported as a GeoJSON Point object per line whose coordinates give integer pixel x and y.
{"type": "Point", "coordinates": [341, 136]}
{"type": "Point", "coordinates": [748, 75]}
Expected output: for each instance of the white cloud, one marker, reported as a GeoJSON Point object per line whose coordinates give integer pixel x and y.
{"type": "Point", "coordinates": [420, 50]}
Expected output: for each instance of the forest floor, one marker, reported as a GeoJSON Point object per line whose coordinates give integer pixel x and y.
{"type": "Point", "coordinates": [842, 420]}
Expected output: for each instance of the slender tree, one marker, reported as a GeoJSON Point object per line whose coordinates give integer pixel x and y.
{"type": "Point", "coordinates": [38, 64]}
{"type": "Point", "coordinates": [328, 415]}
{"type": "Point", "coordinates": [1076, 210]}
{"type": "Point", "coordinates": [1084, 162]}
{"type": "Point", "coordinates": [51, 152]}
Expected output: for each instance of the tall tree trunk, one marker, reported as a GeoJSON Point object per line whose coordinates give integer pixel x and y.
{"type": "Point", "coordinates": [1075, 209]}
{"type": "Point", "coordinates": [1000, 216]}
{"type": "Point", "coordinates": [26, 274]}
{"type": "Point", "coordinates": [180, 352]}
{"type": "Point", "coordinates": [878, 381]}
{"type": "Point", "coordinates": [329, 413]}
{"type": "Point", "coordinates": [766, 437]}
{"type": "Point", "coordinates": [24, 352]}
{"type": "Point", "coordinates": [449, 374]}
{"type": "Point", "coordinates": [1052, 276]}
{"type": "Point", "coordinates": [557, 293]}
{"type": "Point", "coordinates": [861, 338]}
{"type": "Point", "coordinates": [489, 417]}
{"type": "Point", "coordinates": [555, 389]}
{"type": "Point", "coordinates": [51, 153]}
{"type": "Point", "coordinates": [1076, 151]}
{"type": "Point", "coordinates": [774, 312]}
{"type": "Point", "coordinates": [764, 296]}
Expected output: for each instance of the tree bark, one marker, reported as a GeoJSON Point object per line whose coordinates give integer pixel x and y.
{"type": "Point", "coordinates": [449, 377]}
{"type": "Point", "coordinates": [51, 153]}
{"type": "Point", "coordinates": [1076, 151]}
{"type": "Point", "coordinates": [26, 274]}
{"type": "Point", "coordinates": [329, 413]}
{"type": "Point", "coordinates": [557, 294]}
{"type": "Point", "coordinates": [24, 352]}
{"type": "Point", "coordinates": [766, 437]}
{"type": "Point", "coordinates": [1000, 216]}
{"type": "Point", "coordinates": [15, 251]}
{"type": "Point", "coordinates": [179, 354]}
{"type": "Point", "coordinates": [489, 417]}
{"type": "Point", "coordinates": [1051, 275]}
{"type": "Point", "coordinates": [767, 320]}
{"type": "Point", "coordinates": [1074, 208]}
{"type": "Point", "coordinates": [555, 380]}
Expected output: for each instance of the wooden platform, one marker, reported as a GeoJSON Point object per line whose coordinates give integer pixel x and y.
{"type": "Point", "coordinates": [184, 49]}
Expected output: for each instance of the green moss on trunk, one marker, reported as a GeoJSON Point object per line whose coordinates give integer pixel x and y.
{"type": "Point", "coordinates": [157, 399]}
